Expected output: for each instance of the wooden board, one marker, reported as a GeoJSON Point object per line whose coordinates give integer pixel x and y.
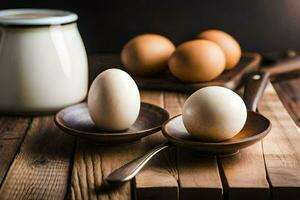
{"type": "Point", "coordinates": [281, 149]}
{"type": "Point", "coordinates": [41, 168]}
{"type": "Point", "coordinates": [165, 81]}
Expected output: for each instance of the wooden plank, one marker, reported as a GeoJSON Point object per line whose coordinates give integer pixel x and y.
{"type": "Point", "coordinates": [13, 127]}
{"type": "Point", "coordinates": [244, 174]}
{"type": "Point", "coordinates": [92, 164]}
{"type": "Point", "coordinates": [289, 93]}
{"type": "Point", "coordinates": [40, 170]}
{"type": "Point", "coordinates": [198, 174]}
{"type": "Point", "coordinates": [8, 150]}
{"type": "Point", "coordinates": [281, 148]}
{"type": "Point", "coordinates": [158, 180]}
{"type": "Point", "coordinates": [12, 131]}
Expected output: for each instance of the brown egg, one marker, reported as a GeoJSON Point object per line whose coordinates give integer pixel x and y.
{"type": "Point", "coordinates": [197, 61]}
{"type": "Point", "coordinates": [228, 44]}
{"type": "Point", "coordinates": [147, 54]}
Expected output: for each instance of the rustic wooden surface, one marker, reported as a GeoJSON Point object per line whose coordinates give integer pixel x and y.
{"type": "Point", "coordinates": [244, 174]}
{"type": "Point", "coordinates": [92, 163]}
{"type": "Point", "coordinates": [38, 161]}
{"type": "Point", "coordinates": [41, 167]}
{"type": "Point", "coordinates": [12, 131]}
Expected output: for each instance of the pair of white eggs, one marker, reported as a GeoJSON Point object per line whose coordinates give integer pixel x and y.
{"type": "Point", "coordinates": [210, 114]}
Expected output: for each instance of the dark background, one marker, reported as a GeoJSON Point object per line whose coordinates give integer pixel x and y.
{"type": "Point", "coordinates": [259, 25]}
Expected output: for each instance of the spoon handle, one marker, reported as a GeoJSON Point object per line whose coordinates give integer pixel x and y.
{"type": "Point", "coordinates": [254, 88]}
{"type": "Point", "coordinates": [282, 67]}
{"type": "Point", "coordinates": [130, 170]}
{"type": "Point", "coordinates": [257, 81]}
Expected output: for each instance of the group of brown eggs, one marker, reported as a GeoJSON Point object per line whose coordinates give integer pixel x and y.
{"type": "Point", "coordinates": [199, 60]}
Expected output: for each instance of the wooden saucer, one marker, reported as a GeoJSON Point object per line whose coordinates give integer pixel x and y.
{"type": "Point", "coordinates": [76, 121]}
{"type": "Point", "coordinates": [256, 128]}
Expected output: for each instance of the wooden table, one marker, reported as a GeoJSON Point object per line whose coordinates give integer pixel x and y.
{"type": "Point", "coordinates": [38, 161]}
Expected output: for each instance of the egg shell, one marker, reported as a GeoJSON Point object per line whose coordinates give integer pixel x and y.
{"type": "Point", "coordinates": [214, 114]}
{"type": "Point", "coordinates": [147, 54]}
{"type": "Point", "coordinates": [228, 44]}
{"type": "Point", "coordinates": [114, 100]}
{"type": "Point", "coordinates": [197, 61]}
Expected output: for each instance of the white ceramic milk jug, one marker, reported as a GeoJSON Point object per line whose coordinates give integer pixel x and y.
{"type": "Point", "coordinates": [43, 62]}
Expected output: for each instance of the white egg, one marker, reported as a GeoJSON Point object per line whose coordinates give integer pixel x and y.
{"type": "Point", "coordinates": [114, 100]}
{"type": "Point", "coordinates": [214, 114]}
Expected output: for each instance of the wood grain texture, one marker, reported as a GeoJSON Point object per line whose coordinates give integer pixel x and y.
{"type": "Point", "coordinates": [245, 175]}
{"type": "Point", "coordinates": [93, 163]}
{"type": "Point", "coordinates": [289, 93]}
{"type": "Point", "coordinates": [12, 131]}
{"type": "Point", "coordinates": [198, 174]}
{"type": "Point", "coordinates": [13, 127]}
{"type": "Point", "coordinates": [281, 149]}
{"type": "Point", "coordinates": [158, 180]}
{"type": "Point", "coordinates": [40, 170]}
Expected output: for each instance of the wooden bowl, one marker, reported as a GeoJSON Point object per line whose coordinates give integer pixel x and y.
{"type": "Point", "coordinates": [76, 121]}
{"type": "Point", "coordinates": [256, 128]}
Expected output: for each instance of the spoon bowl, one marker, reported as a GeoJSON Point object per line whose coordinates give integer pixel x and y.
{"type": "Point", "coordinates": [255, 128]}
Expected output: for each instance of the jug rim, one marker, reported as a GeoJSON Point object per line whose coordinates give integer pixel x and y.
{"type": "Point", "coordinates": [36, 17]}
